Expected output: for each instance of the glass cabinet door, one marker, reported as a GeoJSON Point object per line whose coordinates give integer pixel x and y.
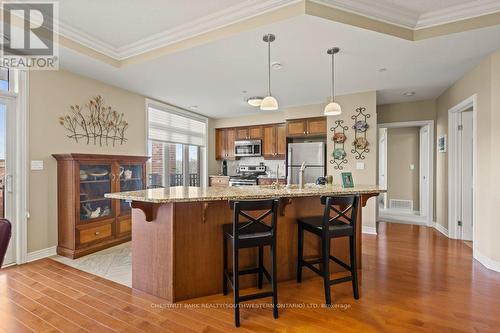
{"type": "Point", "coordinates": [131, 179]}
{"type": "Point", "coordinates": [95, 181]}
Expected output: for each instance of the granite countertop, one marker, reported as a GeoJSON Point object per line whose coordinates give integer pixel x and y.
{"type": "Point", "coordinates": [190, 194]}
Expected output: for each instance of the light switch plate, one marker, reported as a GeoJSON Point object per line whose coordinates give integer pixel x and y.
{"type": "Point", "coordinates": [37, 165]}
{"type": "Point", "coordinates": [360, 165]}
{"type": "Point", "coordinates": [412, 166]}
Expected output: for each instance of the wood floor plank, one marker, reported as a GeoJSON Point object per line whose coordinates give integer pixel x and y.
{"type": "Point", "coordinates": [413, 280]}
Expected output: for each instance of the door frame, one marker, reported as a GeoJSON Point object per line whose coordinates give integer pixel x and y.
{"type": "Point", "coordinates": [428, 218]}
{"type": "Point", "coordinates": [453, 161]}
{"type": "Point", "coordinates": [21, 179]}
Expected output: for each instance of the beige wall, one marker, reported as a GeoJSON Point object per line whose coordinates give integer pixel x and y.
{"type": "Point", "coordinates": [402, 151]}
{"type": "Point", "coordinates": [51, 94]}
{"type": "Point", "coordinates": [409, 111]}
{"type": "Point", "coordinates": [483, 80]}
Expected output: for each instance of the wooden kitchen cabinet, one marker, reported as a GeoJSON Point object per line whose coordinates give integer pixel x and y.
{"type": "Point", "coordinates": [249, 133]}
{"type": "Point", "coordinates": [224, 143]}
{"type": "Point", "coordinates": [274, 141]}
{"type": "Point", "coordinates": [306, 127]}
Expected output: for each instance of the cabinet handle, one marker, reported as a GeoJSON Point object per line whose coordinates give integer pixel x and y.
{"type": "Point", "coordinates": [97, 233]}
{"type": "Point", "coordinates": [113, 177]}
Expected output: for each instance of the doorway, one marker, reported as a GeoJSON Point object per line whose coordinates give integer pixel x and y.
{"type": "Point", "coordinates": [462, 170]}
{"type": "Point", "coordinates": [405, 169]}
{"type": "Point", "coordinates": [7, 186]}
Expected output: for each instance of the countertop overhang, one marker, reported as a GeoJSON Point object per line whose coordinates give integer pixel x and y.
{"type": "Point", "coordinates": [196, 194]}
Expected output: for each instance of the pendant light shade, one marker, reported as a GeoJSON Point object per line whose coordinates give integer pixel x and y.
{"type": "Point", "coordinates": [333, 108]}
{"type": "Point", "coordinates": [269, 103]}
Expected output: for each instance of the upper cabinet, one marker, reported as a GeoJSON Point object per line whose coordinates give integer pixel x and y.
{"type": "Point", "coordinates": [306, 127]}
{"type": "Point", "coordinates": [249, 133]}
{"type": "Point", "coordinates": [274, 141]}
{"type": "Point", "coordinates": [224, 143]}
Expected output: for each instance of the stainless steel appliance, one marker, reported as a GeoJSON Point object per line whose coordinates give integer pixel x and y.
{"type": "Point", "coordinates": [247, 148]}
{"type": "Point", "coordinates": [313, 154]}
{"type": "Point", "coordinates": [247, 175]}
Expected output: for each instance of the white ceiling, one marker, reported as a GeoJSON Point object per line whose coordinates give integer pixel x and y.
{"type": "Point", "coordinates": [214, 75]}
{"type": "Point", "coordinates": [123, 22]}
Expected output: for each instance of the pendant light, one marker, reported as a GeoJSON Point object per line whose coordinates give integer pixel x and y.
{"type": "Point", "coordinates": [269, 103]}
{"type": "Point", "coordinates": [333, 108]}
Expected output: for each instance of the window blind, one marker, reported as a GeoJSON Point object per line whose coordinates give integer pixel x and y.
{"type": "Point", "coordinates": [174, 127]}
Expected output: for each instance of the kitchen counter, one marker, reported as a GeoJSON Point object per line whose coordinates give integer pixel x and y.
{"type": "Point", "coordinates": [177, 235]}
{"type": "Point", "coordinates": [200, 194]}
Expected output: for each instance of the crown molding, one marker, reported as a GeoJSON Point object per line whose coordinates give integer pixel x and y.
{"type": "Point", "coordinates": [458, 13]}
{"type": "Point", "coordinates": [217, 20]}
{"type": "Point", "coordinates": [376, 10]}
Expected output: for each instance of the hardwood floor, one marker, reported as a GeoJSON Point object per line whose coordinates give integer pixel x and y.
{"type": "Point", "coordinates": [413, 280]}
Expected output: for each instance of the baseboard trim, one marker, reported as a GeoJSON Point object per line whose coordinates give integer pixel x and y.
{"type": "Point", "coordinates": [40, 254]}
{"type": "Point", "coordinates": [369, 230]}
{"type": "Point", "coordinates": [486, 261]}
{"type": "Point", "coordinates": [440, 228]}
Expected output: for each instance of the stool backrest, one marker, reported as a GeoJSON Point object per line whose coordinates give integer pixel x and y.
{"type": "Point", "coordinates": [5, 233]}
{"type": "Point", "coordinates": [346, 212]}
{"type": "Point", "coordinates": [241, 208]}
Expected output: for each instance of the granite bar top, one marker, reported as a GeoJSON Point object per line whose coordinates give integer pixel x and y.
{"type": "Point", "coordinates": [192, 194]}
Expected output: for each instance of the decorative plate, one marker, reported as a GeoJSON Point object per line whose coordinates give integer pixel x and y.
{"type": "Point", "coordinates": [360, 126]}
{"type": "Point", "coordinates": [360, 143]}
{"type": "Point", "coordinates": [339, 154]}
{"type": "Point", "coordinates": [98, 173]}
{"type": "Point", "coordinates": [339, 137]}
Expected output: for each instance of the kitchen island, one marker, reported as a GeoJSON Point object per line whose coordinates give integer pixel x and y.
{"type": "Point", "coordinates": [177, 235]}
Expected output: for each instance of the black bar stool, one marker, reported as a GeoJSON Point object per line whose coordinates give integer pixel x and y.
{"type": "Point", "coordinates": [343, 224]}
{"type": "Point", "coordinates": [252, 232]}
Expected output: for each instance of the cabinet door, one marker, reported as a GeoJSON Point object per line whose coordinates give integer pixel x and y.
{"type": "Point", "coordinates": [230, 137]}
{"type": "Point", "coordinates": [280, 141]}
{"type": "Point", "coordinates": [131, 177]}
{"type": "Point", "coordinates": [242, 133]}
{"type": "Point", "coordinates": [269, 141]}
{"type": "Point", "coordinates": [316, 126]}
{"type": "Point", "coordinates": [95, 179]}
{"type": "Point", "coordinates": [220, 148]}
{"type": "Point", "coordinates": [296, 127]}
{"type": "Point", "coordinates": [255, 132]}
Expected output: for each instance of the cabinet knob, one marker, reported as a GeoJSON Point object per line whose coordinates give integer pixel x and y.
{"type": "Point", "coordinates": [305, 132]}
{"type": "Point", "coordinates": [97, 233]}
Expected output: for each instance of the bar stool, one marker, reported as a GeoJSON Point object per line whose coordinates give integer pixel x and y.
{"type": "Point", "coordinates": [251, 232]}
{"type": "Point", "coordinates": [326, 227]}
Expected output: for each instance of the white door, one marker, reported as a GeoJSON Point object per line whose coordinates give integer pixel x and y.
{"type": "Point", "coordinates": [424, 171]}
{"type": "Point", "coordinates": [466, 173]}
{"type": "Point", "coordinates": [382, 166]}
{"type": "Point", "coordinates": [7, 126]}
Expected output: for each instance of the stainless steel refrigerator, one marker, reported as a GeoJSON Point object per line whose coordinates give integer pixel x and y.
{"type": "Point", "coordinates": [313, 153]}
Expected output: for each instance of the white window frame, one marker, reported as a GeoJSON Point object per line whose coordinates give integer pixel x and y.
{"type": "Point", "coordinates": [203, 150]}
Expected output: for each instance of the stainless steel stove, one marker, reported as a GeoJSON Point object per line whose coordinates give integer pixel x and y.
{"type": "Point", "coordinates": [247, 175]}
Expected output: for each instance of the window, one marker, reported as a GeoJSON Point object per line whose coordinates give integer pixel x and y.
{"type": "Point", "coordinates": [4, 79]}
{"type": "Point", "coordinates": [177, 146]}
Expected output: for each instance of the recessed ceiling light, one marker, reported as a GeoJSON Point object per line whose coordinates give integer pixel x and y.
{"type": "Point", "coordinates": [276, 65]}
{"type": "Point", "coordinates": [409, 93]}
{"type": "Point", "coordinates": [255, 101]}
{"type": "Point", "coordinates": [383, 69]}
{"type": "Point", "coordinates": [194, 107]}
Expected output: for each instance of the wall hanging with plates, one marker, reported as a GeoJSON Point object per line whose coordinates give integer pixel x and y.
{"type": "Point", "coordinates": [339, 137]}
{"type": "Point", "coordinates": [360, 143]}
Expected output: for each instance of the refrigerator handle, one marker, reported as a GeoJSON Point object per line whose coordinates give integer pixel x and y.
{"type": "Point", "coordinates": [289, 171]}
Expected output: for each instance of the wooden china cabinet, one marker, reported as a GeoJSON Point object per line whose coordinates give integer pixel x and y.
{"type": "Point", "coordinates": [87, 221]}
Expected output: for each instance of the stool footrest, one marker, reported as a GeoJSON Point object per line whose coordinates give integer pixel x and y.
{"type": "Point", "coordinates": [339, 262]}
{"type": "Point", "coordinates": [341, 280]}
{"type": "Point", "coordinates": [255, 296]}
{"type": "Point", "coordinates": [309, 265]}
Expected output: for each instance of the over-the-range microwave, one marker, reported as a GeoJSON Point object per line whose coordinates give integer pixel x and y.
{"type": "Point", "coordinates": [247, 148]}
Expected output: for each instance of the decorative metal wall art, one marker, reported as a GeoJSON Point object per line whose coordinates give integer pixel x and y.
{"type": "Point", "coordinates": [95, 123]}
{"type": "Point", "coordinates": [339, 137]}
{"type": "Point", "coordinates": [360, 143]}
